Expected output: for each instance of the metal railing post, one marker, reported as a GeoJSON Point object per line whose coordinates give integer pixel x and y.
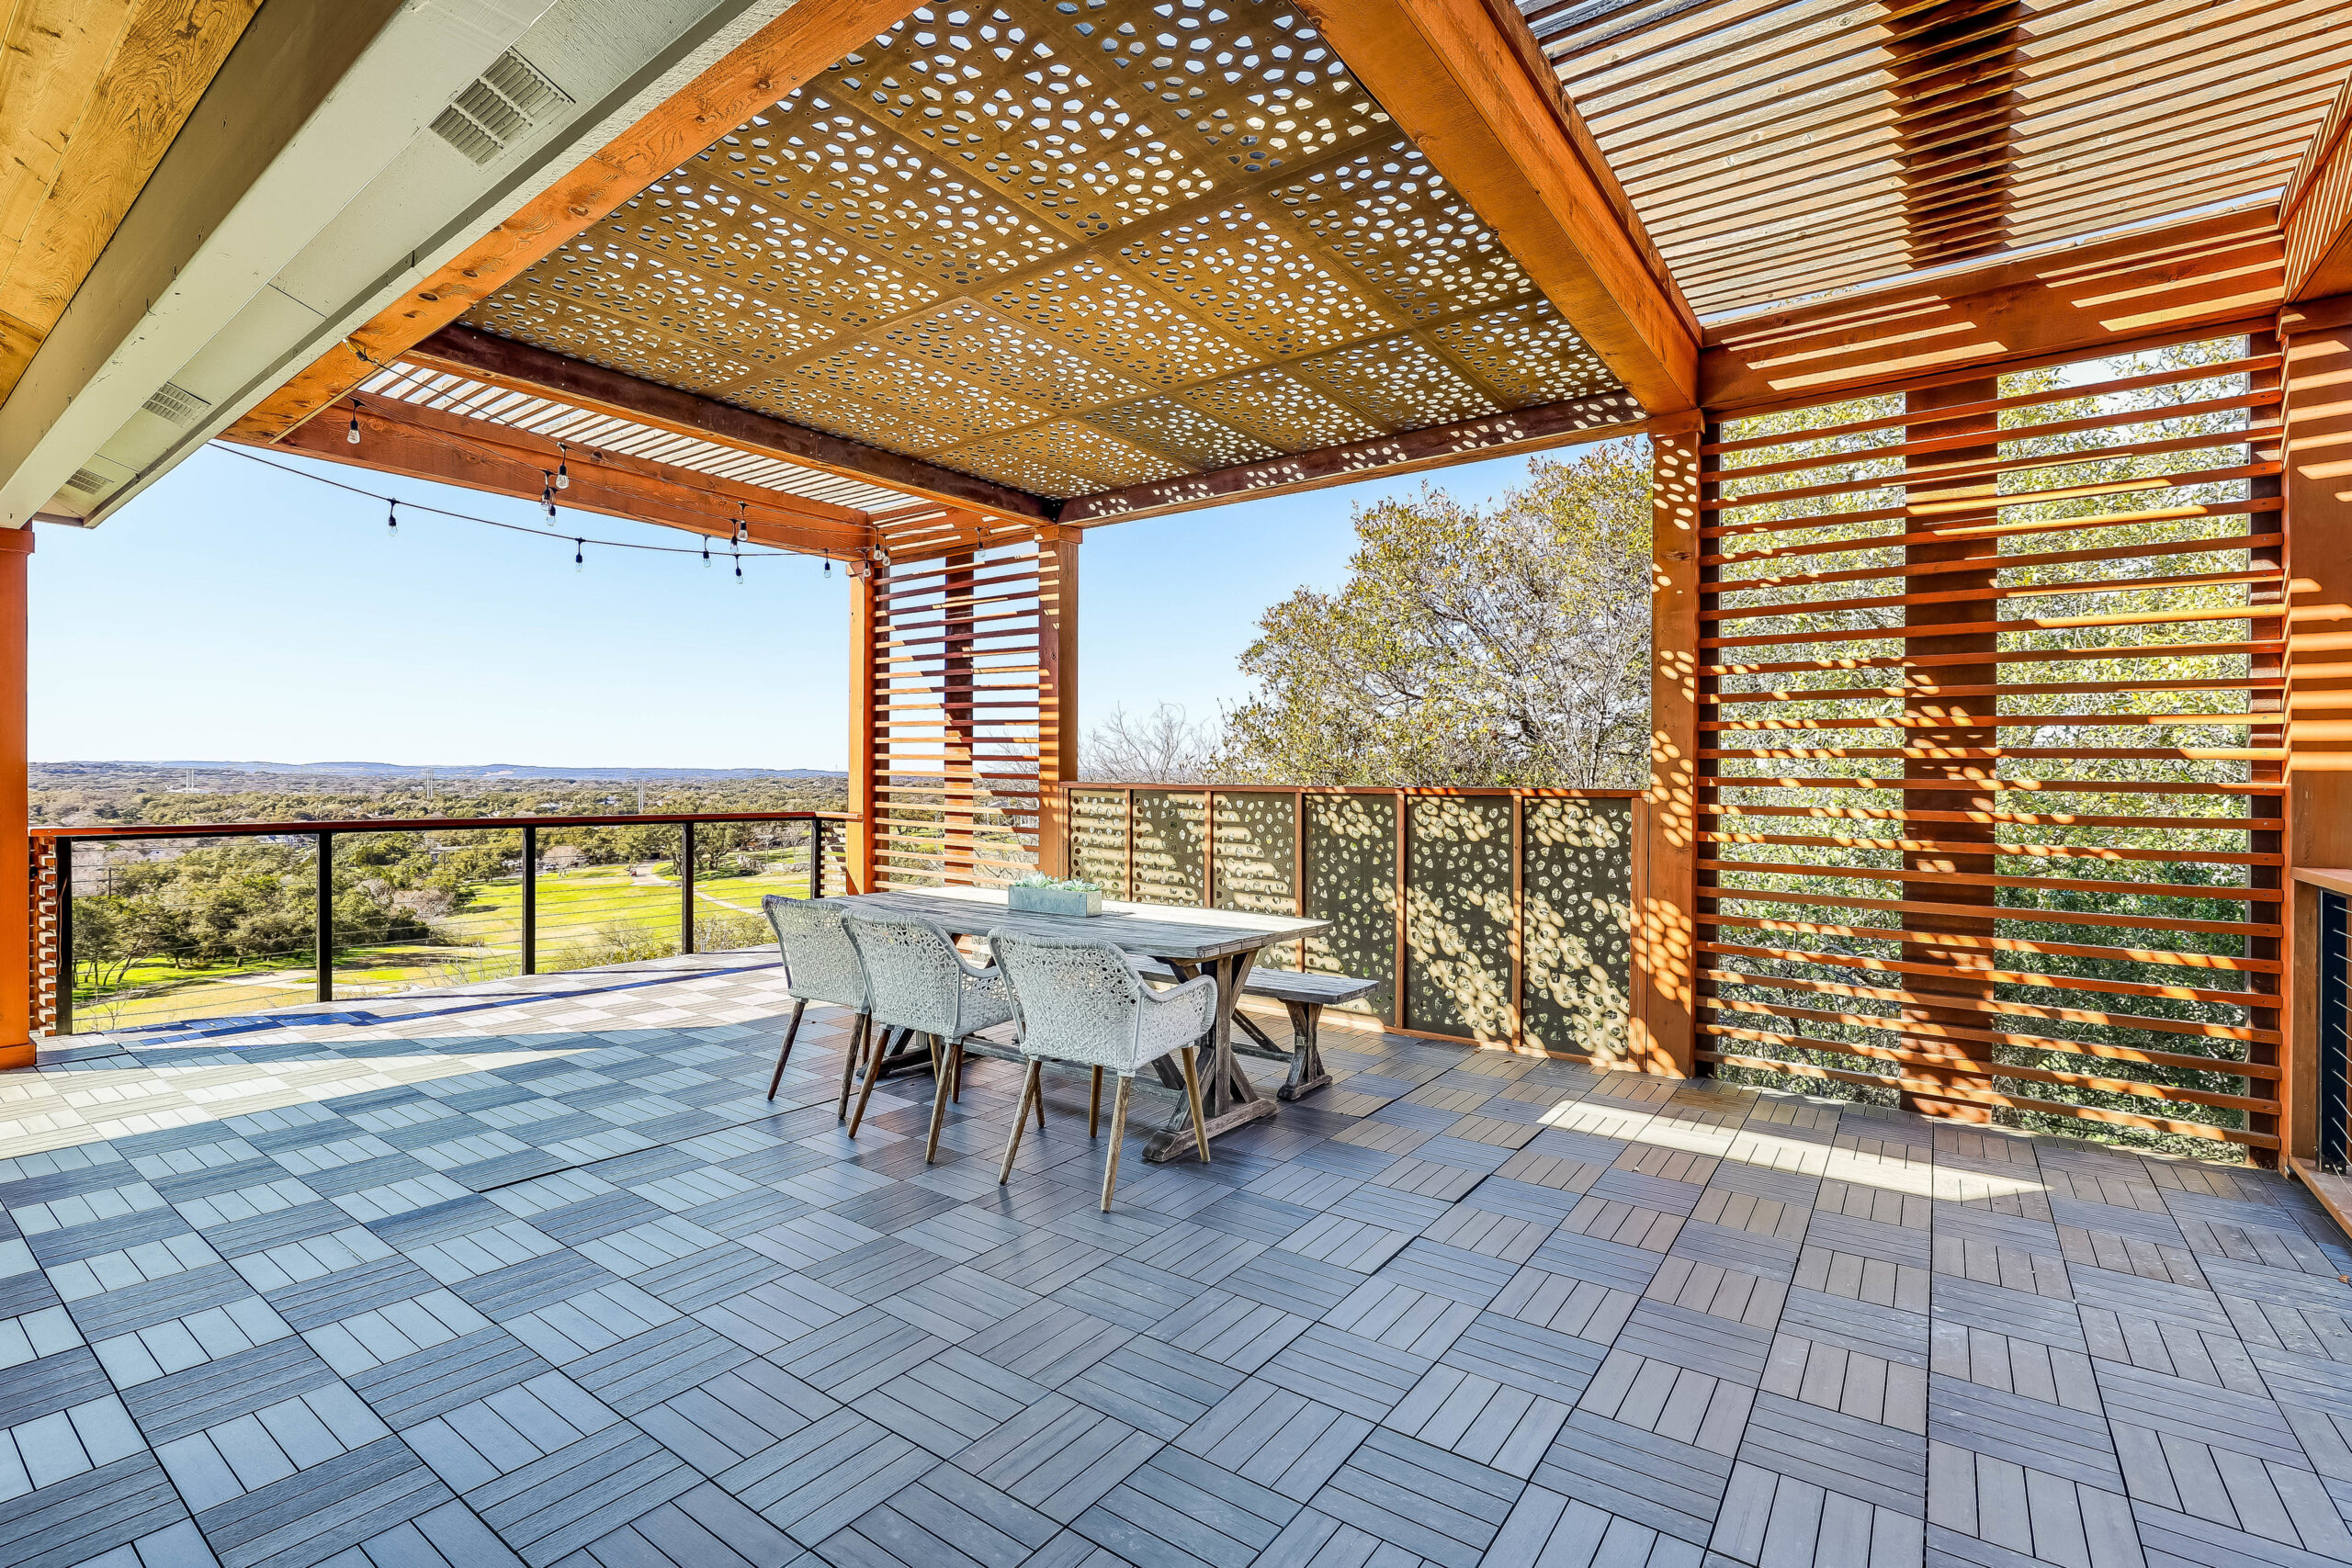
{"type": "Point", "coordinates": [64, 1008]}
{"type": "Point", "coordinates": [325, 937]}
{"type": "Point", "coordinates": [686, 887]}
{"type": "Point", "coordinates": [2334, 1028]}
{"type": "Point", "coordinates": [530, 898]}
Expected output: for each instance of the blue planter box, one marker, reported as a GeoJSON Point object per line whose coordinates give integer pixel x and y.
{"type": "Point", "coordinates": [1055, 900]}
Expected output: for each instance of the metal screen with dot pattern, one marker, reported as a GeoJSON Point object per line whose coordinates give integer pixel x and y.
{"type": "Point", "coordinates": [1069, 247]}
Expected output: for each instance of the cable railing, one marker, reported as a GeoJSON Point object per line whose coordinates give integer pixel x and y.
{"type": "Point", "coordinates": [152, 924]}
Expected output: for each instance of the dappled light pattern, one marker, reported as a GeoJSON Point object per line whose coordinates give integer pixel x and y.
{"type": "Point", "coordinates": [1069, 247]}
{"type": "Point", "coordinates": [535, 1273]}
{"type": "Point", "coordinates": [1458, 916]}
{"type": "Point", "coordinates": [1256, 863]}
{"type": "Point", "coordinates": [1352, 882]}
{"type": "Point", "coordinates": [1098, 839]}
{"type": "Point", "coordinates": [1172, 836]}
{"type": "Point", "coordinates": [1578, 915]}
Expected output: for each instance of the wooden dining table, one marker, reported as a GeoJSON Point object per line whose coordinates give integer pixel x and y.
{"type": "Point", "coordinates": [1222, 943]}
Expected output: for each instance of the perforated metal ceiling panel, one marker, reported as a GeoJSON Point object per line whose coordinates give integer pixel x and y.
{"type": "Point", "coordinates": [1069, 247]}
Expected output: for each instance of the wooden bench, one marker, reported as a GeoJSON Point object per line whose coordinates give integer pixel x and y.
{"type": "Point", "coordinates": [1305, 996]}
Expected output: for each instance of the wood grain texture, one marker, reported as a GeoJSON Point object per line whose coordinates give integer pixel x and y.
{"type": "Point", "coordinates": [1465, 80]}
{"type": "Point", "coordinates": [1665, 907]}
{"type": "Point", "coordinates": [92, 92]}
{"type": "Point", "coordinates": [790, 50]}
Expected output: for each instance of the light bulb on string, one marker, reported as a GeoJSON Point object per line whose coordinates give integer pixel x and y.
{"type": "Point", "coordinates": [705, 555]}
{"type": "Point", "coordinates": [739, 567]}
{"type": "Point", "coordinates": [352, 434]}
{"type": "Point", "coordinates": [578, 555]}
{"type": "Point", "coordinates": [742, 525]}
{"type": "Point", "coordinates": [829, 566]}
{"type": "Point", "coordinates": [563, 466]}
{"type": "Point", "coordinates": [392, 521]}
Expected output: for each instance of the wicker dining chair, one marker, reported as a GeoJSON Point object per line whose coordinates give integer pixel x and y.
{"type": "Point", "coordinates": [917, 980]}
{"type": "Point", "coordinates": [820, 965]}
{"type": "Point", "coordinates": [1082, 1002]}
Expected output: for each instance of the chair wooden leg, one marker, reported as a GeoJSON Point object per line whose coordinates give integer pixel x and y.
{"type": "Point", "coordinates": [1118, 1133]}
{"type": "Point", "coordinates": [849, 1065]}
{"type": "Point", "coordinates": [1030, 1087]}
{"type": "Point", "coordinates": [1193, 1094]}
{"type": "Point", "coordinates": [1094, 1105]}
{"type": "Point", "coordinates": [943, 1091]}
{"type": "Point", "coordinates": [1041, 1106]}
{"type": "Point", "coordinates": [791, 1031]}
{"type": "Point", "coordinates": [874, 1038]}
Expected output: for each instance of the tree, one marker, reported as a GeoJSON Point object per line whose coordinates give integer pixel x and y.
{"type": "Point", "coordinates": [1161, 747]}
{"type": "Point", "coordinates": [1504, 646]}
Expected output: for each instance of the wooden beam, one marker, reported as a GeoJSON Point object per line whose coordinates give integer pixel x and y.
{"type": "Point", "coordinates": [15, 845]}
{"type": "Point", "coordinates": [91, 96]}
{"type": "Point", "coordinates": [1666, 891]}
{"type": "Point", "coordinates": [525, 368]}
{"type": "Point", "coordinates": [1057, 692]}
{"type": "Point", "coordinates": [2317, 211]}
{"type": "Point", "coordinates": [790, 50]}
{"type": "Point", "coordinates": [2153, 286]}
{"type": "Point", "coordinates": [397, 438]}
{"type": "Point", "coordinates": [1467, 81]}
{"type": "Point", "coordinates": [1528, 429]}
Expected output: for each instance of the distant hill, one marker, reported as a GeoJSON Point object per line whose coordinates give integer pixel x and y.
{"type": "Point", "coordinates": [448, 771]}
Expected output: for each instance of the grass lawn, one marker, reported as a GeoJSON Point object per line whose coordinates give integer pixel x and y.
{"type": "Point", "coordinates": [581, 914]}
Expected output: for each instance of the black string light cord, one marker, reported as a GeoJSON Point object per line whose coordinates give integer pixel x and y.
{"type": "Point", "coordinates": [578, 541]}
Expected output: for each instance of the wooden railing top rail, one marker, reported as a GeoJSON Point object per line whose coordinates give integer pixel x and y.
{"type": "Point", "coordinates": [422, 824]}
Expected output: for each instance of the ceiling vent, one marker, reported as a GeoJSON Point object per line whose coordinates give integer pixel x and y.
{"type": "Point", "coordinates": [499, 108]}
{"type": "Point", "coordinates": [176, 403]}
{"type": "Point", "coordinates": [89, 482]}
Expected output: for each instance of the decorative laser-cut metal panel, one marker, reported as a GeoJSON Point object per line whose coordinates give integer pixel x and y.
{"type": "Point", "coordinates": [1068, 245]}
{"type": "Point", "coordinates": [1577, 915]}
{"type": "Point", "coordinates": [1569, 908]}
{"type": "Point", "coordinates": [1458, 916]}
{"type": "Point", "coordinates": [1256, 868]}
{"type": "Point", "coordinates": [1098, 839]}
{"type": "Point", "coordinates": [1172, 835]}
{"type": "Point", "coordinates": [1350, 856]}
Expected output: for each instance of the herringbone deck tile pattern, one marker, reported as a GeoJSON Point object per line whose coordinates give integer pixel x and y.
{"type": "Point", "coordinates": [532, 1273]}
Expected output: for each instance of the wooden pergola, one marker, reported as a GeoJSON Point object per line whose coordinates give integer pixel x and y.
{"type": "Point", "coordinates": [934, 290]}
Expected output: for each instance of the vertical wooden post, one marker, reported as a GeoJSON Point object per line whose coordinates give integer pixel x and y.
{"type": "Point", "coordinates": [962, 762]}
{"type": "Point", "coordinates": [864, 605]}
{"type": "Point", "coordinates": [2266, 1013]}
{"type": "Point", "coordinates": [2318, 341]}
{"type": "Point", "coordinates": [1946, 726]}
{"type": "Point", "coordinates": [1665, 915]}
{"type": "Point", "coordinates": [1056, 693]}
{"type": "Point", "coordinates": [16, 806]}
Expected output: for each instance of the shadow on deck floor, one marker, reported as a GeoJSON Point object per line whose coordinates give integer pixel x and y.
{"type": "Point", "coordinates": [530, 1271]}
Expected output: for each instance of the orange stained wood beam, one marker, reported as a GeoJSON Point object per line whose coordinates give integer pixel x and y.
{"type": "Point", "coordinates": [789, 52]}
{"type": "Point", "coordinates": [525, 367]}
{"type": "Point", "coordinates": [2146, 288]}
{"type": "Point", "coordinates": [16, 843]}
{"type": "Point", "coordinates": [426, 443]}
{"type": "Point", "coordinates": [2316, 213]}
{"type": "Point", "coordinates": [1468, 82]}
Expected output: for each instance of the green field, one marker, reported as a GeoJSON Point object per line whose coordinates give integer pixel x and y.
{"type": "Point", "coordinates": [587, 916]}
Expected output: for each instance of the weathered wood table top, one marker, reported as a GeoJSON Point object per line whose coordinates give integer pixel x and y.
{"type": "Point", "coordinates": [1155, 930]}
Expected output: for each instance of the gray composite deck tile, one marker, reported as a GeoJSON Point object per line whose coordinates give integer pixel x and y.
{"type": "Point", "coordinates": [432, 1382]}
{"type": "Point", "coordinates": [1409, 1494]}
{"type": "Point", "coordinates": [1058, 1457]}
{"type": "Point", "coordinates": [2022, 1431]}
{"type": "Point", "coordinates": [1701, 1341]}
{"type": "Point", "coordinates": [316, 1513]}
{"type": "Point", "coordinates": [1668, 1486]}
{"type": "Point", "coordinates": [1603, 1262]}
{"type": "Point", "coordinates": [583, 1491]}
{"type": "Point", "coordinates": [1179, 1509]}
{"type": "Point", "coordinates": [277, 1228]}
{"type": "Point", "coordinates": [532, 1284]}
{"type": "Point", "coordinates": [83, 1516]}
{"type": "Point", "coordinates": [1907, 1245]}
{"type": "Point", "coordinates": [705, 1278]}
{"type": "Point", "coordinates": [653, 1366]}
{"type": "Point", "coordinates": [185, 1402]}
{"type": "Point", "coordinates": [1538, 1361]}
{"type": "Point", "coordinates": [1882, 1465]}
{"type": "Point", "coordinates": [734, 1415]}
{"type": "Point", "coordinates": [2242, 1423]}
{"type": "Point", "coordinates": [2003, 1311]}
{"type": "Point", "coordinates": [346, 1291]}
{"type": "Point", "coordinates": [31, 1390]}
{"type": "Point", "coordinates": [71, 1243]}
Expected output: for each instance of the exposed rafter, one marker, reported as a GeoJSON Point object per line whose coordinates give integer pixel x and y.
{"type": "Point", "coordinates": [400, 438]}
{"type": "Point", "coordinates": [504, 362]}
{"type": "Point", "coordinates": [2317, 212]}
{"type": "Point", "coordinates": [2154, 284]}
{"type": "Point", "coordinates": [1465, 80]}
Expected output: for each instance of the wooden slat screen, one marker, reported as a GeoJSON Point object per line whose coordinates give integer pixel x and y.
{"type": "Point", "coordinates": [957, 683]}
{"type": "Point", "coordinates": [1990, 704]}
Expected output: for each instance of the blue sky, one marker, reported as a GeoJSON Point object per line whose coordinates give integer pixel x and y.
{"type": "Point", "coordinates": [239, 614]}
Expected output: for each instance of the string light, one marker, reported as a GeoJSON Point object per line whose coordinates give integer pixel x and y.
{"type": "Point", "coordinates": [352, 434]}
{"type": "Point", "coordinates": [739, 567]}
{"type": "Point", "coordinates": [578, 555]}
{"type": "Point", "coordinates": [392, 521]}
{"type": "Point", "coordinates": [829, 566]}
{"type": "Point", "coordinates": [705, 555]}
{"type": "Point", "coordinates": [563, 466]}
{"type": "Point", "coordinates": [742, 525]}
